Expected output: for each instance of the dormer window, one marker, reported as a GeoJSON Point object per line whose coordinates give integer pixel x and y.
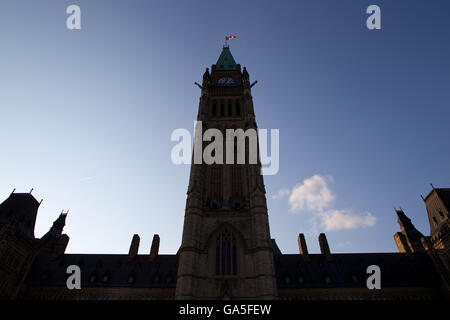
{"type": "Point", "coordinates": [46, 275]}
{"type": "Point", "coordinates": [92, 278]}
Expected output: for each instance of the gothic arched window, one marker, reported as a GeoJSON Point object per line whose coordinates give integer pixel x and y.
{"type": "Point", "coordinates": [226, 254]}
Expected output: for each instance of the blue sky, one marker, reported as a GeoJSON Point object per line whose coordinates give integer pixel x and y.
{"type": "Point", "coordinates": [86, 115]}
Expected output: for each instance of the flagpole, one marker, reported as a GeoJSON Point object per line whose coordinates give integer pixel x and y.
{"type": "Point", "coordinates": [226, 40]}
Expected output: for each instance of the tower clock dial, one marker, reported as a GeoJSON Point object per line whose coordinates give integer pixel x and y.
{"type": "Point", "coordinates": [226, 82]}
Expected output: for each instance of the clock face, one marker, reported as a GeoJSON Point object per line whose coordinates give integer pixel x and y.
{"type": "Point", "coordinates": [226, 82]}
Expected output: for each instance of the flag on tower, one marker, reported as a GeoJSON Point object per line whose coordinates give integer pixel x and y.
{"type": "Point", "coordinates": [230, 37]}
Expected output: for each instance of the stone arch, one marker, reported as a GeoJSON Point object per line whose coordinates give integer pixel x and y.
{"type": "Point", "coordinates": [218, 229]}
{"type": "Point", "coordinates": [226, 247]}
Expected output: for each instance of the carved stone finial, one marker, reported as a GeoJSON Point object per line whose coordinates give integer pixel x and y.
{"type": "Point", "coordinates": [245, 75]}
{"type": "Point", "coordinates": [206, 77]}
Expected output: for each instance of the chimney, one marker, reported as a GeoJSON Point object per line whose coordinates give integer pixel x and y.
{"type": "Point", "coordinates": [155, 248]}
{"type": "Point", "coordinates": [324, 248]}
{"type": "Point", "coordinates": [302, 245]}
{"type": "Point", "coordinates": [134, 247]}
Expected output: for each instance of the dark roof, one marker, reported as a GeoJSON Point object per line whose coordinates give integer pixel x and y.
{"type": "Point", "coordinates": [292, 270]}
{"type": "Point", "coordinates": [349, 270]}
{"type": "Point", "coordinates": [105, 270]}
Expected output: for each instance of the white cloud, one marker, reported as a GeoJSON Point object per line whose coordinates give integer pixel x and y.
{"type": "Point", "coordinates": [313, 194]}
{"type": "Point", "coordinates": [281, 194]}
{"type": "Point", "coordinates": [334, 220]}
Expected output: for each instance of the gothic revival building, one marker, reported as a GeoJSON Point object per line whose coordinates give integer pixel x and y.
{"type": "Point", "coordinates": [226, 250]}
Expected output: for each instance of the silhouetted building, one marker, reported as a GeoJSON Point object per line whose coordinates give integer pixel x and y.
{"type": "Point", "coordinates": [226, 249]}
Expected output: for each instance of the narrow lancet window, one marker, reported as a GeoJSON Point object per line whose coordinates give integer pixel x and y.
{"type": "Point", "coordinates": [226, 254]}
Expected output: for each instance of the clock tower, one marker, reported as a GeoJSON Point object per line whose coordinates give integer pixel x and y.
{"type": "Point", "coordinates": [226, 249]}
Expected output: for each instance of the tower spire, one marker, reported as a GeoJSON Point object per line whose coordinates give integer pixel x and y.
{"type": "Point", "coordinates": [409, 236]}
{"type": "Point", "coordinates": [57, 228]}
{"type": "Point", "coordinates": [226, 60]}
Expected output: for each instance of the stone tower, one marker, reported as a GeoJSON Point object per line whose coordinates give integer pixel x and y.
{"type": "Point", "coordinates": [437, 203]}
{"type": "Point", "coordinates": [409, 239]}
{"type": "Point", "coordinates": [17, 242]}
{"type": "Point", "coordinates": [437, 244]}
{"type": "Point", "coordinates": [226, 247]}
